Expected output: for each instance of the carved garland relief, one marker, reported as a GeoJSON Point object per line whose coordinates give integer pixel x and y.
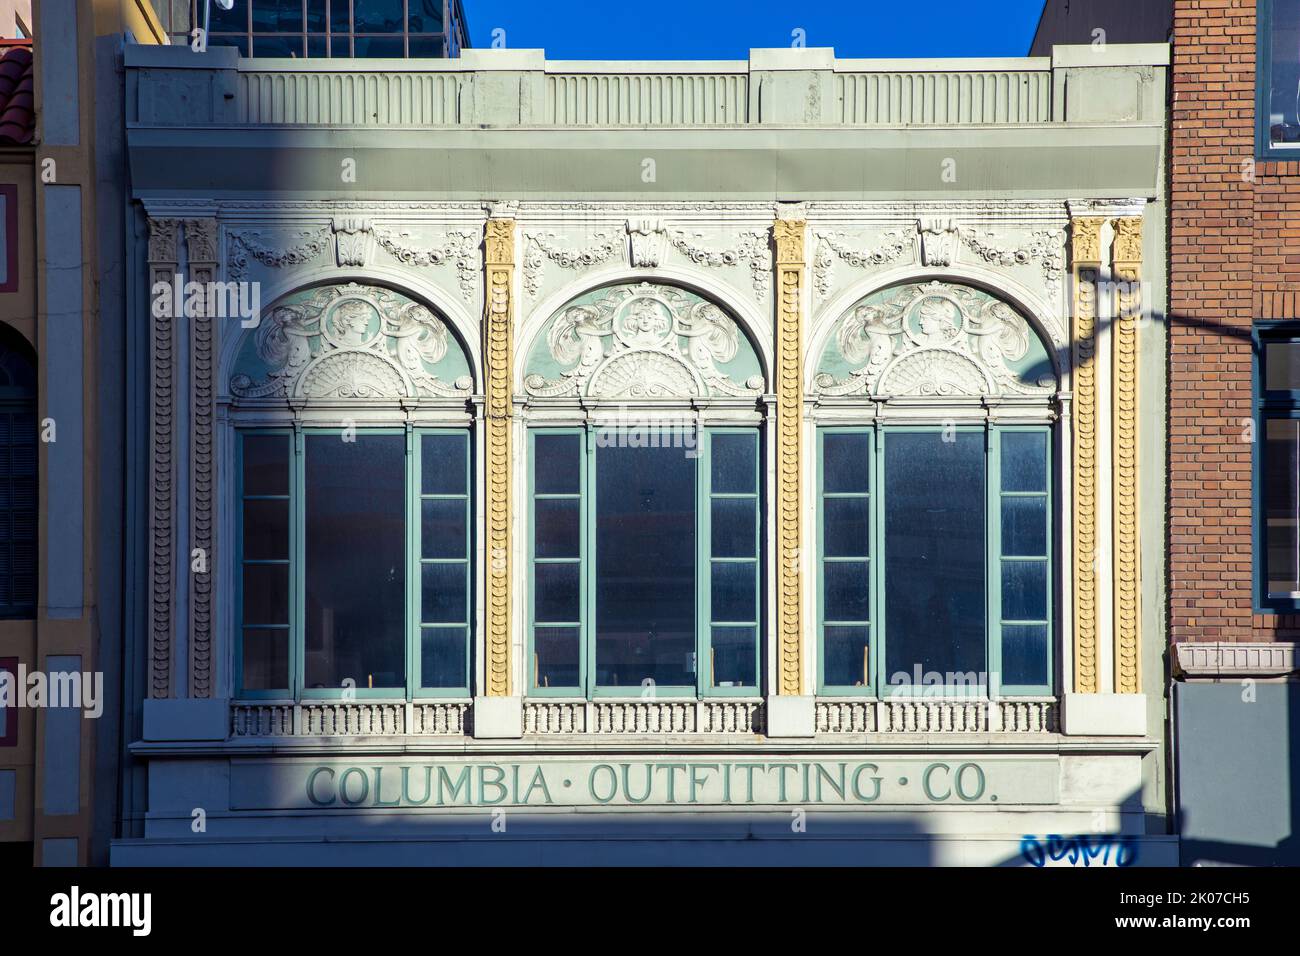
{"type": "Point", "coordinates": [1086, 234]}
{"type": "Point", "coordinates": [1127, 580]}
{"type": "Point", "coordinates": [498, 362]}
{"type": "Point", "coordinates": [163, 259]}
{"type": "Point", "coordinates": [791, 270]}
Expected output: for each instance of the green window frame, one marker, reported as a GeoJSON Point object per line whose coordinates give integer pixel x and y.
{"type": "Point", "coordinates": [711, 634]}
{"type": "Point", "coordinates": [855, 496]}
{"type": "Point", "coordinates": [445, 495]}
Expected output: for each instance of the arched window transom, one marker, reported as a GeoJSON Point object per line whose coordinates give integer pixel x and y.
{"type": "Point", "coordinates": [351, 342]}
{"type": "Point", "coordinates": [934, 338]}
{"type": "Point", "coordinates": [642, 341]}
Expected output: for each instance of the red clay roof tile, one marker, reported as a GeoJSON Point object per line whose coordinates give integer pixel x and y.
{"type": "Point", "coordinates": [17, 113]}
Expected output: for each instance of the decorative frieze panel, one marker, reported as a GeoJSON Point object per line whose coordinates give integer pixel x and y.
{"type": "Point", "coordinates": [935, 716]}
{"type": "Point", "coordinates": [540, 247]}
{"type": "Point", "coordinates": [351, 342]}
{"type": "Point", "coordinates": [277, 251]}
{"type": "Point", "coordinates": [458, 248]}
{"type": "Point", "coordinates": [643, 717]}
{"type": "Point", "coordinates": [642, 340]}
{"type": "Point", "coordinates": [893, 246]}
{"type": "Point", "coordinates": [934, 339]}
{"type": "Point", "coordinates": [350, 719]}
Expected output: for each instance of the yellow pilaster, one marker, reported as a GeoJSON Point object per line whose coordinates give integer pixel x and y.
{"type": "Point", "coordinates": [499, 247]}
{"type": "Point", "coordinates": [1085, 235]}
{"type": "Point", "coordinates": [1127, 272]}
{"type": "Point", "coordinates": [791, 272]}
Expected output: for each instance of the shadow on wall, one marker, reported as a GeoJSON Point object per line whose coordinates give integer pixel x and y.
{"type": "Point", "coordinates": [1238, 767]}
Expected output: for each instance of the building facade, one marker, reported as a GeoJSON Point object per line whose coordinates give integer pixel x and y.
{"type": "Point", "coordinates": [708, 462]}
{"type": "Point", "coordinates": [1234, 612]}
{"type": "Point", "coordinates": [61, 419]}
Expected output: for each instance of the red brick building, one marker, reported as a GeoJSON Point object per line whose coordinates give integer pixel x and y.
{"type": "Point", "coordinates": [1234, 270]}
{"type": "Point", "coordinates": [1234, 426]}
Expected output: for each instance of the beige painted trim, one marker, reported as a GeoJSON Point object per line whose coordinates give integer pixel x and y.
{"type": "Point", "coordinates": [498, 361]}
{"type": "Point", "coordinates": [791, 273]}
{"type": "Point", "coordinates": [1127, 272]}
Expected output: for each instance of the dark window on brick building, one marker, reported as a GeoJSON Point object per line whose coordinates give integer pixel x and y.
{"type": "Point", "coordinates": [1278, 466]}
{"type": "Point", "coordinates": [1279, 79]}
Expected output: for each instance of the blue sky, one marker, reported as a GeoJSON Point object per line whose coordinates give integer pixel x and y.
{"type": "Point", "coordinates": [726, 29]}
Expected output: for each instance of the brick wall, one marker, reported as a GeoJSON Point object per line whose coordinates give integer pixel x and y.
{"type": "Point", "coordinates": [1234, 256]}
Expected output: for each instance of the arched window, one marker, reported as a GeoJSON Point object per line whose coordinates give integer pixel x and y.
{"type": "Point", "coordinates": [353, 472]}
{"type": "Point", "coordinates": [936, 500]}
{"type": "Point", "coordinates": [18, 476]}
{"type": "Point", "coordinates": [645, 484]}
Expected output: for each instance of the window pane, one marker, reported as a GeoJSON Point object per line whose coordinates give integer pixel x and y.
{"type": "Point", "coordinates": [426, 46]}
{"type": "Point", "coordinates": [265, 659]}
{"type": "Point", "coordinates": [1024, 527]}
{"type": "Point", "coordinates": [266, 594]}
{"type": "Point", "coordinates": [443, 657]}
{"type": "Point", "coordinates": [274, 16]}
{"type": "Point", "coordinates": [1283, 121]}
{"type": "Point", "coordinates": [234, 20]}
{"type": "Point", "coordinates": [556, 463]}
{"type": "Point", "coordinates": [555, 656]}
{"type": "Point", "coordinates": [266, 464]}
{"type": "Point", "coordinates": [1282, 366]}
{"type": "Point", "coordinates": [318, 47]}
{"type": "Point", "coordinates": [735, 658]}
{"type": "Point", "coordinates": [425, 16]}
{"type": "Point", "coordinates": [378, 16]}
{"type": "Point", "coordinates": [282, 45]}
{"type": "Point", "coordinates": [934, 552]}
{"type": "Point", "coordinates": [316, 15]}
{"type": "Point", "coordinates": [557, 592]}
{"type": "Point", "coordinates": [391, 47]}
{"type": "Point", "coordinates": [442, 528]}
{"type": "Point", "coordinates": [734, 463]}
{"type": "Point", "coordinates": [442, 593]}
{"type": "Point", "coordinates": [266, 529]}
{"type": "Point", "coordinates": [847, 661]}
{"type": "Point", "coordinates": [557, 527]}
{"type": "Point", "coordinates": [340, 46]}
{"type": "Point", "coordinates": [1281, 504]}
{"type": "Point", "coordinates": [845, 524]}
{"type": "Point", "coordinates": [1024, 654]}
{"type": "Point", "coordinates": [356, 561]}
{"type": "Point", "coordinates": [735, 594]}
{"type": "Point", "coordinates": [845, 466]}
{"type": "Point", "coordinates": [732, 527]}
{"type": "Point", "coordinates": [1024, 590]}
{"type": "Point", "coordinates": [1024, 461]}
{"type": "Point", "coordinates": [848, 593]}
{"type": "Point", "coordinates": [645, 566]}
{"type": "Point", "coordinates": [339, 17]}
{"type": "Point", "coordinates": [443, 461]}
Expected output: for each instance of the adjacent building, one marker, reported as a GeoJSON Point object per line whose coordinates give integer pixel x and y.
{"type": "Point", "coordinates": [1234, 450]}
{"type": "Point", "coordinates": [548, 461]}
